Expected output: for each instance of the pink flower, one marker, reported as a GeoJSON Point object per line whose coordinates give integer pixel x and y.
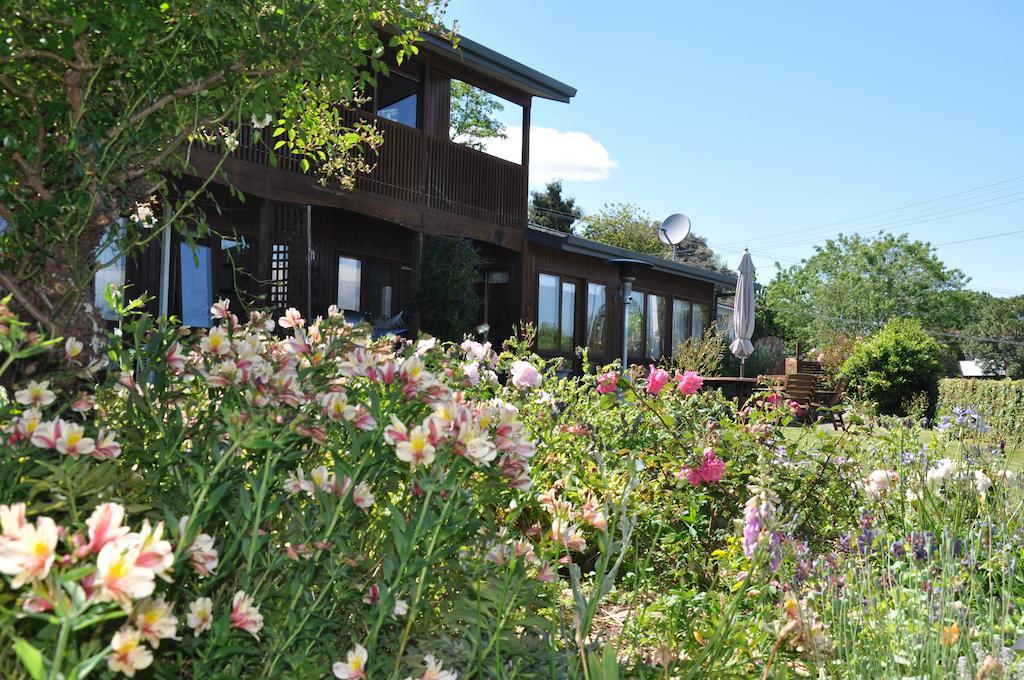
{"type": "Point", "coordinates": [245, 615]}
{"type": "Point", "coordinates": [106, 447]}
{"type": "Point", "coordinates": [219, 310]}
{"type": "Point", "coordinates": [47, 434]}
{"type": "Point", "coordinates": [203, 556]}
{"type": "Point", "coordinates": [362, 495]}
{"type": "Point", "coordinates": [547, 573]}
{"type": "Point", "coordinates": [711, 470]}
{"type": "Point", "coordinates": [689, 383]}
{"type": "Point", "coordinates": [656, 380]}
{"type": "Point", "coordinates": [27, 550]}
{"type": "Point", "coordinates": [608, 383]}
{"type": "Point", "coordinates": [292, 319]}
{"type": "Point", "coordinates": [119, 576]}
{"type": "Point", "coordinates": [105, 526]}
{"type": "Point", "coordinates": [354, 667]}
{"type": "Point", "coordinates": [73, 442]}
{"type": "Point", "coordinates": [129, 654]}
{"type": "Point", "coordinates": [525, 374]}
{"type": "Point", "coordinates": [154, 552]}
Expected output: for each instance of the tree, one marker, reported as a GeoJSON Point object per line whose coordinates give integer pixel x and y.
{"type": "Point", "coordinates": [472, 116]}
{"type": "Point", "coordinates": [101, 100]}
{"type": "Point", "coordinates": [551, 210]}
{"type": "Point", "coordinates": [856, 284]}
{"type": "Point", "coordinates": [996, 339]}
{"type": "Point", "coordinates": [695, 251]}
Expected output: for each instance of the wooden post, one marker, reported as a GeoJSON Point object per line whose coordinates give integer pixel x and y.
{"type": "Point", "coordinates": [415, 278]}
{"type": "Point", "coordinates": [264, 246]}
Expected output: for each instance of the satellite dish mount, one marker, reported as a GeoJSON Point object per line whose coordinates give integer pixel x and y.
{"type": "Point", "coordinates": [674, 229]}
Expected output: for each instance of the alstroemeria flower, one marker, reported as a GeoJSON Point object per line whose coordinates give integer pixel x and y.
{"type": "Point", "coordinates": [106, 447]}
{"type": "Point", "coordinates": [322, 479]}
{"type": "Point", "coordinates": [354, 667]}
{"type": "Point", "coordinates": [73, 441]}
{"type": "Point", "coordinates": [47, 434]}
{"type": "Point", "coordinates": [362, 495]}
{"type": "Point", "coordinates": [154, 552]}
{"type": "Point", "coordinates": [200, 615]}
{"type": "Point", "coordinates": [203, 556]}
{"type": "Point", "coordinates": [219, 310]}
{"type": "Point", "coordinates": [215, 342]}
{"type": "Point", "coordinates": [129, 654]}
{"type": "Point", "coordinates": [292, 319]}
{"type": "Point", "coordinates": [155, 621]}
{"type": "Point", "coordinates": [417, 449]}
{"type": "Point", "coordinates": [435, 670]}
{"type": "Point", "coordinates": [27, 550]}
{"type": "Point", "coordinates": [297, 483]}
{"type": "Point", "coordinates": [35, 394]}
{"type": "Point", "coordinates": [105, 526]}
{"type": "Point", "coordinates": [245, 615]}
{"type": "Point", "coordinates": [119, 577]}
{"type": "Point", "coordinates": [73, 347]}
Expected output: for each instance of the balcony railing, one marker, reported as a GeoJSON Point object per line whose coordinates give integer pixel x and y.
{"type": "Point", "coordinates": [425, 170]}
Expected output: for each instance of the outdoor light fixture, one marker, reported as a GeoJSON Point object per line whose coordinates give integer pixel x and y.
{"type": "Point", "coordinates": [628, 271]}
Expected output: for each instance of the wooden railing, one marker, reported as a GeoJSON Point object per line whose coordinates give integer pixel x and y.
{"type": "Point", "coordinates": [423, 169]}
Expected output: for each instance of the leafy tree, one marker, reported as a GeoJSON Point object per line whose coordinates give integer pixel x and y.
{"type": "Point", "coordinates": [856, 284]}
{"type": "Point", "coordinates": [1001, 320]}
{"type": "Point", "coordinates": [550, 209]}
{"type": "Point", "coordinates": [472, 116]}
{"type": "Point", "coordinates": [447, 300]}
{"type": "Point", "coordinates": [897, 365]}
{"type": "Point", "coordinates": [628, 226]}
{"type": "Point", "coordinates": [99, 102]}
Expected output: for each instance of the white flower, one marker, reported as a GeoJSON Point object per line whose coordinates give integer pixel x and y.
{"type": "Point", "coordinates": [362, 495]}
{"type": "Point", "coordinates": [73, 347]}
{"type": "Point", "coordinates": [129, 654]}
{"type": "Point", "coordinates": [982, 482]}
{"type": "Point", "coordinates": [200, 615]}
{"type": "Point", "coordinates": [35, 394]}
{"type": "Point", "coordinates": [260, 123]}
{"type": "Point", "coordinates": [525, 374]}
{"type": "Point", "coordinates": [144, 215]}
{"type": "Point", "coordinates": [878, 482]}
{"type": "Point", "coordinates": [401, 608]}
{"type": "Point", "coordinates": [354, 667]}
{"type": "Point", "coordinates": [155, 621]}
{"type": "Point", "coordinates": [940, 471]}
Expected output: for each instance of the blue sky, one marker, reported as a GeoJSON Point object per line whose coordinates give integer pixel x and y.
{"type": "Point", "coordinates": [757, 119]}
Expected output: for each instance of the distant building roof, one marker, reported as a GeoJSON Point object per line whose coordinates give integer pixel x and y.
{"type": "Point", "coordinates": [571, 243]}
{"type": "Point", "coordinates": [502, 68]}
{"type": "Point", "coordinates": [972, 369]}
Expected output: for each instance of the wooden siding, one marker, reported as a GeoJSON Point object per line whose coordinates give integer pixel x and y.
{"type": "Point", "coordinates": [582, 269]}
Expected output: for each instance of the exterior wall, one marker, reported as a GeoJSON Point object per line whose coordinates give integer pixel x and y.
{"type": "Point", "coordinates": [581, 270]}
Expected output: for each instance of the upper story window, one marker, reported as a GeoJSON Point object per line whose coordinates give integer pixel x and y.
{"type": "Point", "coordinates": [396, 98]}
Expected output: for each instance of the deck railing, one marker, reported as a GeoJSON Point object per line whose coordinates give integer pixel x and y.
{"type": "Point", "coordinates": [423, 169]}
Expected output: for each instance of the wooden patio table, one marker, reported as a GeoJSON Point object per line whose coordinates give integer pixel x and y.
{"type": "Point", "coordinates": [744, 387]}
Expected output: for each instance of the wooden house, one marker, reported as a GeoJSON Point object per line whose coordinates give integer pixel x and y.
{"type": "Point", "coordinates": [303, 245]}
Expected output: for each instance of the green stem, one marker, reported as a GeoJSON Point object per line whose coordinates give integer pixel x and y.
{"type": "Point", "coordinates": [62, 643]}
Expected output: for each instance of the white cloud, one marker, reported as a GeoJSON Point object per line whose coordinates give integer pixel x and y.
{"type": "Point", "coordinates": [556, 154]}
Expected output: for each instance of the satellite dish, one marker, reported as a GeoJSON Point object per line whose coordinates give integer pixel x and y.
{"type": "Point", "coordinates": [674, 229]}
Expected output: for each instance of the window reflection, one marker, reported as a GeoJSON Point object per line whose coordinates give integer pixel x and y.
{"type": "Point", "coordinates": [196, 286]}
{"type": "Point", "coordinates": [655, 325]}
{"type": "Point", "coordinates": [349, 279]}
{"type": "Point", "coordinates": [547, 312]}
{"type": "Point", "coordinates": [701, 319]}
{"type": "Point", "coordinates": [635, 325]}
{"type": "Point", "coordinates": [110, 272]}
{"type": "Point", "coordinates": [680, 323]}
{"type": "Point", "coordinates": [397, 98]}
{"type": "Point", "coordinates": [595, 317]}
{"type": "Point", "coordinates": [568, 316]}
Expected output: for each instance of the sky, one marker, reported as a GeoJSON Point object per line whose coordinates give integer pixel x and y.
{"type": "Point", "coordinates": [777, 125]}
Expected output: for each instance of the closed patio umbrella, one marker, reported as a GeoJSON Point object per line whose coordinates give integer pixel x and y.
{"type": "Point", "coordinates": [743, 312]}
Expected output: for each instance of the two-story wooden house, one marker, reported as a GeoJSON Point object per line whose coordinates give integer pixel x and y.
{"type": "Point", "coordinates": [306, 246]}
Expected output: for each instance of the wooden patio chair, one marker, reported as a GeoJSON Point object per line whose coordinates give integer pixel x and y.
{"type": "Point", "coordinates": [799, 387]}
{"type": "Point", "coordinates": [828, 404]}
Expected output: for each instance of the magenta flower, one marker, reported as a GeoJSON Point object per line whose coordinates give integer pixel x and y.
{"type": "Point", "coordinates": [711, 470]}
{"type": "Point", "coordinates": [656, 380]}
{"type": "Point", "coordinates": [689, 383]}
{"type": "Point", "coordinates": [607, 383]}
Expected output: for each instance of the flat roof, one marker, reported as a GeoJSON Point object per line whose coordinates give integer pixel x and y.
{"type": "Point", "coordinates": [500, 67]}
{"type": "Point", "coordinates": [571, 243]}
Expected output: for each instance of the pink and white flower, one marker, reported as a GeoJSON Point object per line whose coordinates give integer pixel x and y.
{"type": "Point", "coordinates": [105, 526]}
{"type": "Point", "coordinates": [292, 319]}
{"type": "Point", "coordinates": [203, 556]}
{"type": "Point", "coordinates": [27, 551]}
{"type": "Point", "coordinates": [245, 615]}
{"type": "Point", "coordinates": [216, 342]}
{"type": "Point", "coordinates": [129, 654]}
{"type": "Point", "coordinates": [155, 621]}
{"type": "Point", "coordinates": [417, 449]}
{"type": "Point", "coordinates": [524, 374]}
{"type": "Point", "coordinates": [35, 394]}
{"type": "Point", "coordinates": [119, 578]}
{"type": "Point", "coordinates": [73, 442]}
{"type": "Point", "coordinates": [297, 483]}
{"type": "Point", "coordinates": [106, 447]}
{"type": "Point", "coordinates": [362, 496]}
{"type": "Point", "coordinates": [154, 552]}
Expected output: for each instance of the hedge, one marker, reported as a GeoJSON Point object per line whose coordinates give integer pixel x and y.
{"type": "Point", "coordinates": [1000, 402]}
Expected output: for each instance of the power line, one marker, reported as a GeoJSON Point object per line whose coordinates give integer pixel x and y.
{"type": "Point", "coordinates": [980, 238]}
{"type": "Point", "coordinates": [1011, 180]}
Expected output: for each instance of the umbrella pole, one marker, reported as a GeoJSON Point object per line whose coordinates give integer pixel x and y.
{"type": "Point", "coordinates": [742, 362]}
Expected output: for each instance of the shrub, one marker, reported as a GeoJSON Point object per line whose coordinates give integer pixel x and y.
{"type": "Point", "coordinates": [703, 355]}
{"type": "Point", "coordinates": [1001, 402]}
{"type": "Point", "coordinates": [896, 364]}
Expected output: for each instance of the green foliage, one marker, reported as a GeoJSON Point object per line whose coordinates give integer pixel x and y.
{"type": "Point", "coordinates": [1000, 401]}
{"type": "Point", "coordinates": [996, 338]}
{"type": "Point", "coordinates": [472, 116]}
{"type": "Point", "coordinates": [703, 355]}
{"type": "Point", "coordinates": [447, 299]}
{"type": "Point", "coordinates": [896, 364]}
{"type": "Point", "coordinates": [99, 102]}
{"type": "Point", "coordinates": [551, 210]}
{"type": "Point", "coordinates": [854, 284]}
{"type": "Point", "coordinates": [625, 225]}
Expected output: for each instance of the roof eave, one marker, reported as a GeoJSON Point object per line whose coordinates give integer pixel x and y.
{"type": "Point", "coordinates": [505, 69]}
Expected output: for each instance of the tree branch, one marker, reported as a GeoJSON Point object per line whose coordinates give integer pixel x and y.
{"type": "Point", "coordinates": [28, 305]}
{"type": "Point", "coordinates": [43, 54]}
{"type": "Point", "coordinates": [32, 177]}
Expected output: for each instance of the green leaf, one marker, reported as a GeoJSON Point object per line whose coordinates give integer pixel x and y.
{"type": "Point", "coordinates": [31, 658]}
{"type": "Point", "coordinates": [305, 165]}
{"type": "Point", "coordinates": [79, 25]}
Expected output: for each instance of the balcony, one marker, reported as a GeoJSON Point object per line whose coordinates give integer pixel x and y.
{"type": "Point", "coordinates": [425, 170]}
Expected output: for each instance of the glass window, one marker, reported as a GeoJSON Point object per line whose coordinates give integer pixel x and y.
{"type": "Point", "coordinates": [349, 278]}
{"type": "Point", "coordinates": [110, 273]}
{"type": "Point", "coordinates": [397, 98]}
{"type": "Point", "coordinates": [547, 312]}
{"type": "Point", "coordinates": [680, 323]}
{"type": "Point", "coordinates": [701, 319]}
{"type": "Point", "coordinates": [568, 316]}
{"type": "Point", "coordinates": [196, 286]}
{"type": "Point", "coordinates": [655, 325]}
{"type": "Point", "coordinates": [635, 324]}
{"type": "Point", "coordinates": [379, 289]}
{"type": "Point", "coordinates": [596, 313]}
